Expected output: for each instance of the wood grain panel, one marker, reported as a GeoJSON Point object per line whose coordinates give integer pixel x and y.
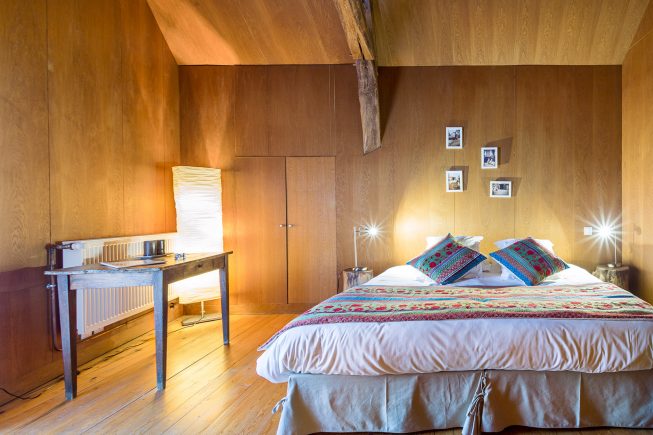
{"type": "Point", "coordinates": [273, 118]}
{"type": "Point", "coordinates": [365, 183]}
{"type": "Point", "coordinates": [103, 80]}
{"type": "Point", "coordinates": [252, 112]}
{"type": "Point", "coordinates": [637, 128]}
{"type": "Point", "coordinates": [252, 32]}
{"type": "Point", "coordinates": [423, 103]}
{"type": "Point", "coordinates": [85, 107]}
{"type": "Point", "coordinates": [145, 115]}
{"type": "Point", "coordinates": [24, 191]}
{"type": "Point", "coordinates": [645, 26]}
{"type": "Point", "coordinates": [311, 205]}
{"type": "Point", "coordinates": [260, 256]}
{"type": "Point", "coordinates": [300, 121]}
{"type": "Point", "coordinates": [505, 32]}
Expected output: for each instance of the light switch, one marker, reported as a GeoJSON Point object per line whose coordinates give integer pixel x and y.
{"type": "Point", "coordinates": [588, 231]}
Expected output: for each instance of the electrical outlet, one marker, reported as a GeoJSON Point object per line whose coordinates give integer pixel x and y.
{"type": "Point", "coordinates": [588, 231]}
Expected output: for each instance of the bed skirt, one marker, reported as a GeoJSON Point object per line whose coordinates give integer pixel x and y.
{"type": "Point", "coordinates": [487, 401]}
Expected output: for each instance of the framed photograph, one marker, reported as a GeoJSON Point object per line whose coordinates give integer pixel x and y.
{"type": "Point", "coordinates": [454, 181]}
{"type": "Point", "coordinates": [500, 189]}
{"type": "Point", "coordinates": [489, 157]}
{"type": "Point", "coordinates": [454, 138]}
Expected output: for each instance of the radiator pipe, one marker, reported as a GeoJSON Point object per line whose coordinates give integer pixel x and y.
{"type": "Point", "coordinates": [52, 287]}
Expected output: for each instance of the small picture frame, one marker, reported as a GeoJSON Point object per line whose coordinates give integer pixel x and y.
{"type": "Point", "coordinates": [454, 180]}
{"type": "Point", "coordinates": [500, 189]}
{"type": "Point", "coordinates": [454, 136]}
{"type": "Point", "coordinates": [489, 157]}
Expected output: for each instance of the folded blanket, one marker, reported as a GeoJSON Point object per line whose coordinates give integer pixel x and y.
{"type": "Point", "coordinates": [398, 304]}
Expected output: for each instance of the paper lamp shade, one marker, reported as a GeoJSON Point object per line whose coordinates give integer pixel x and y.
{"type": "Point", "coordinates": [198, 200]}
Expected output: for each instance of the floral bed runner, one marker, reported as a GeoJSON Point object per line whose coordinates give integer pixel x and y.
{"type": "Point", "coordinates": [398, 304]}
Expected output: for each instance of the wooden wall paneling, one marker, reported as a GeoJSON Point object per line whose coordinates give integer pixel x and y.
{"type": "Point", "coordinates": [252, 109]}
{"type": "Point", "coordinates": [364, 191]}
{"type": "Point", "coordinates": [24, 225]}
{"type": "Point", "coordinates": [251, 32]}
{"type": "Point", "coordinates": [260, 256]}
{"type": "Point", "coordinates": [300, 111]}
{"type": "Point", "coordinates": [645, 26]}
{"type": "Point", "coordinates": [85, 104]}
{"type": "Point", "coordinates": [273, 118]}
{"type": "Point", "coordinates": [637, 134]}
{"type": "Point", "coordinates": [484, 99]}
{"type": "Point", "coordinates": [171, 124]}
{"type": "Point", "coordinates": [144, 114]}
{"type": "Point", "coordinates": [311, 208]}
{"type": "Point", "coordinates": [544, 201]}
{"type": "Point", "coordinates": [597, 158]}
{"type": "Point", "coordinates": [421, 102]}
{"type": "Point", "coordinates": [504, 32]}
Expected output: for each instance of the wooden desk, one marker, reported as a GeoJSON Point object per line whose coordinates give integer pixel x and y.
{"type": "Point", "coordinates": [71, 279]}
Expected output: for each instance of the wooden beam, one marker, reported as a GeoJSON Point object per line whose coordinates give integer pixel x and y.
{"type": "Point", "coordinates": [356, 19]}
{"type": "Point", "coordinates": [368, 97]}
{"type": "Point", "coordinates": [356, 22]}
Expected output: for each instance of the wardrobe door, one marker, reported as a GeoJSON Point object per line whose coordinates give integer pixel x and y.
{"type": "Point", "coordinates": [311, 203]}
{"type": "Point", "coordinates": [260, 234]}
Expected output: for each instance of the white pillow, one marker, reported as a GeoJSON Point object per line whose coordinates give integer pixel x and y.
{"type": "Point", "coordinates": [501, 244]}
{"type": "Point", "coordinates": [548, 244]}
{"type": "Point", "coordinates": [471, 242]}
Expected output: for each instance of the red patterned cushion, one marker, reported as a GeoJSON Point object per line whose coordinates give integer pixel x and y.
{"type": "Point", "coordinates": [446, 261]}
{"type": "Point", "coordinates": [529, 261]}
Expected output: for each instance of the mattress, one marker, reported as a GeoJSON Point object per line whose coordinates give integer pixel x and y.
{"type": "Point", "coordinates": [414, 347]}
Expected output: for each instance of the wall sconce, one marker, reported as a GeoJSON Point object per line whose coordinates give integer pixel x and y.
{"type": "Point", "coordinates": [366, 231]}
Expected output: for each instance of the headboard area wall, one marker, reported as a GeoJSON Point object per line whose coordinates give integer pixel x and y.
{"type": "Point", "coordinates": [558, 130]}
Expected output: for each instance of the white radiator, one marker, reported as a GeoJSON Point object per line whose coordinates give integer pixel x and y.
{"type": "Point", "coordinates": [98, 308]}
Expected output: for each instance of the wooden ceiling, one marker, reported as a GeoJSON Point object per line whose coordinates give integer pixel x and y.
{"type": "Point", "coordinates": [252, 32]}
{"type": "Point", "coordinates": [407, 32]}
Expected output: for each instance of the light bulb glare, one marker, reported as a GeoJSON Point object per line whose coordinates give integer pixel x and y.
{"type": "Point", "coordinates": [372, 231]}
{"type": "Point", "coordinates": [605, 231]}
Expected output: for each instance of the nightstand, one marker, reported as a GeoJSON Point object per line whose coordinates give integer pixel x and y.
{"type": "Point", "coordinates": [352, 277]}
{"type": "Point", "coordinates": [615, 275]}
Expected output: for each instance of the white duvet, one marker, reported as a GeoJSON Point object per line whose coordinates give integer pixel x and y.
{"type": "Point", "coordinates": [581, 345]}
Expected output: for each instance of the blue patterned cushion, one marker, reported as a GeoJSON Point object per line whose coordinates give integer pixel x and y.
{"type": "Point", "coordinates": [446, 261]}
{"type": "Point", "coordinates": [529, 261]}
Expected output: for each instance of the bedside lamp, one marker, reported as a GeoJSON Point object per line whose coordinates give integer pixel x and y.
{"type": "Point", "coordinates": [358, 275]}
{"type": "Point", "coordinates": [366, 231]}
{"type": "Point", "coordinates": [607, 233]}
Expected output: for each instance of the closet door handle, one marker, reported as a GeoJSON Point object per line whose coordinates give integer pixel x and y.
{"type": "Point", "coordinates": [290, 225]}
{"type": "Point", "coordinates": [282, 225]}
{"type": "Point", "coordinates": [286, 225]}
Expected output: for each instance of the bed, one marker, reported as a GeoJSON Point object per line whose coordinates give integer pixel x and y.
{"type": "Point", "coordinates": [401, 354]}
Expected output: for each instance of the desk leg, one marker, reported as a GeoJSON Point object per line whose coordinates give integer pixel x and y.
{"type": "Point", "coordinates": [160, 328]}
{"type": "Point", "coordinates": [68, 321]}
{"type": "Point", "coordinates": [224, 294]}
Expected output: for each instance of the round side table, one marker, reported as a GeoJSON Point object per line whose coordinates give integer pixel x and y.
{"type": "Point", "coordinates": [615, 275]}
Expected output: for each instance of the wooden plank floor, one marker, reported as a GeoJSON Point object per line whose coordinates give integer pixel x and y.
{"type": "Point", "coordinates": [211, 388]}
